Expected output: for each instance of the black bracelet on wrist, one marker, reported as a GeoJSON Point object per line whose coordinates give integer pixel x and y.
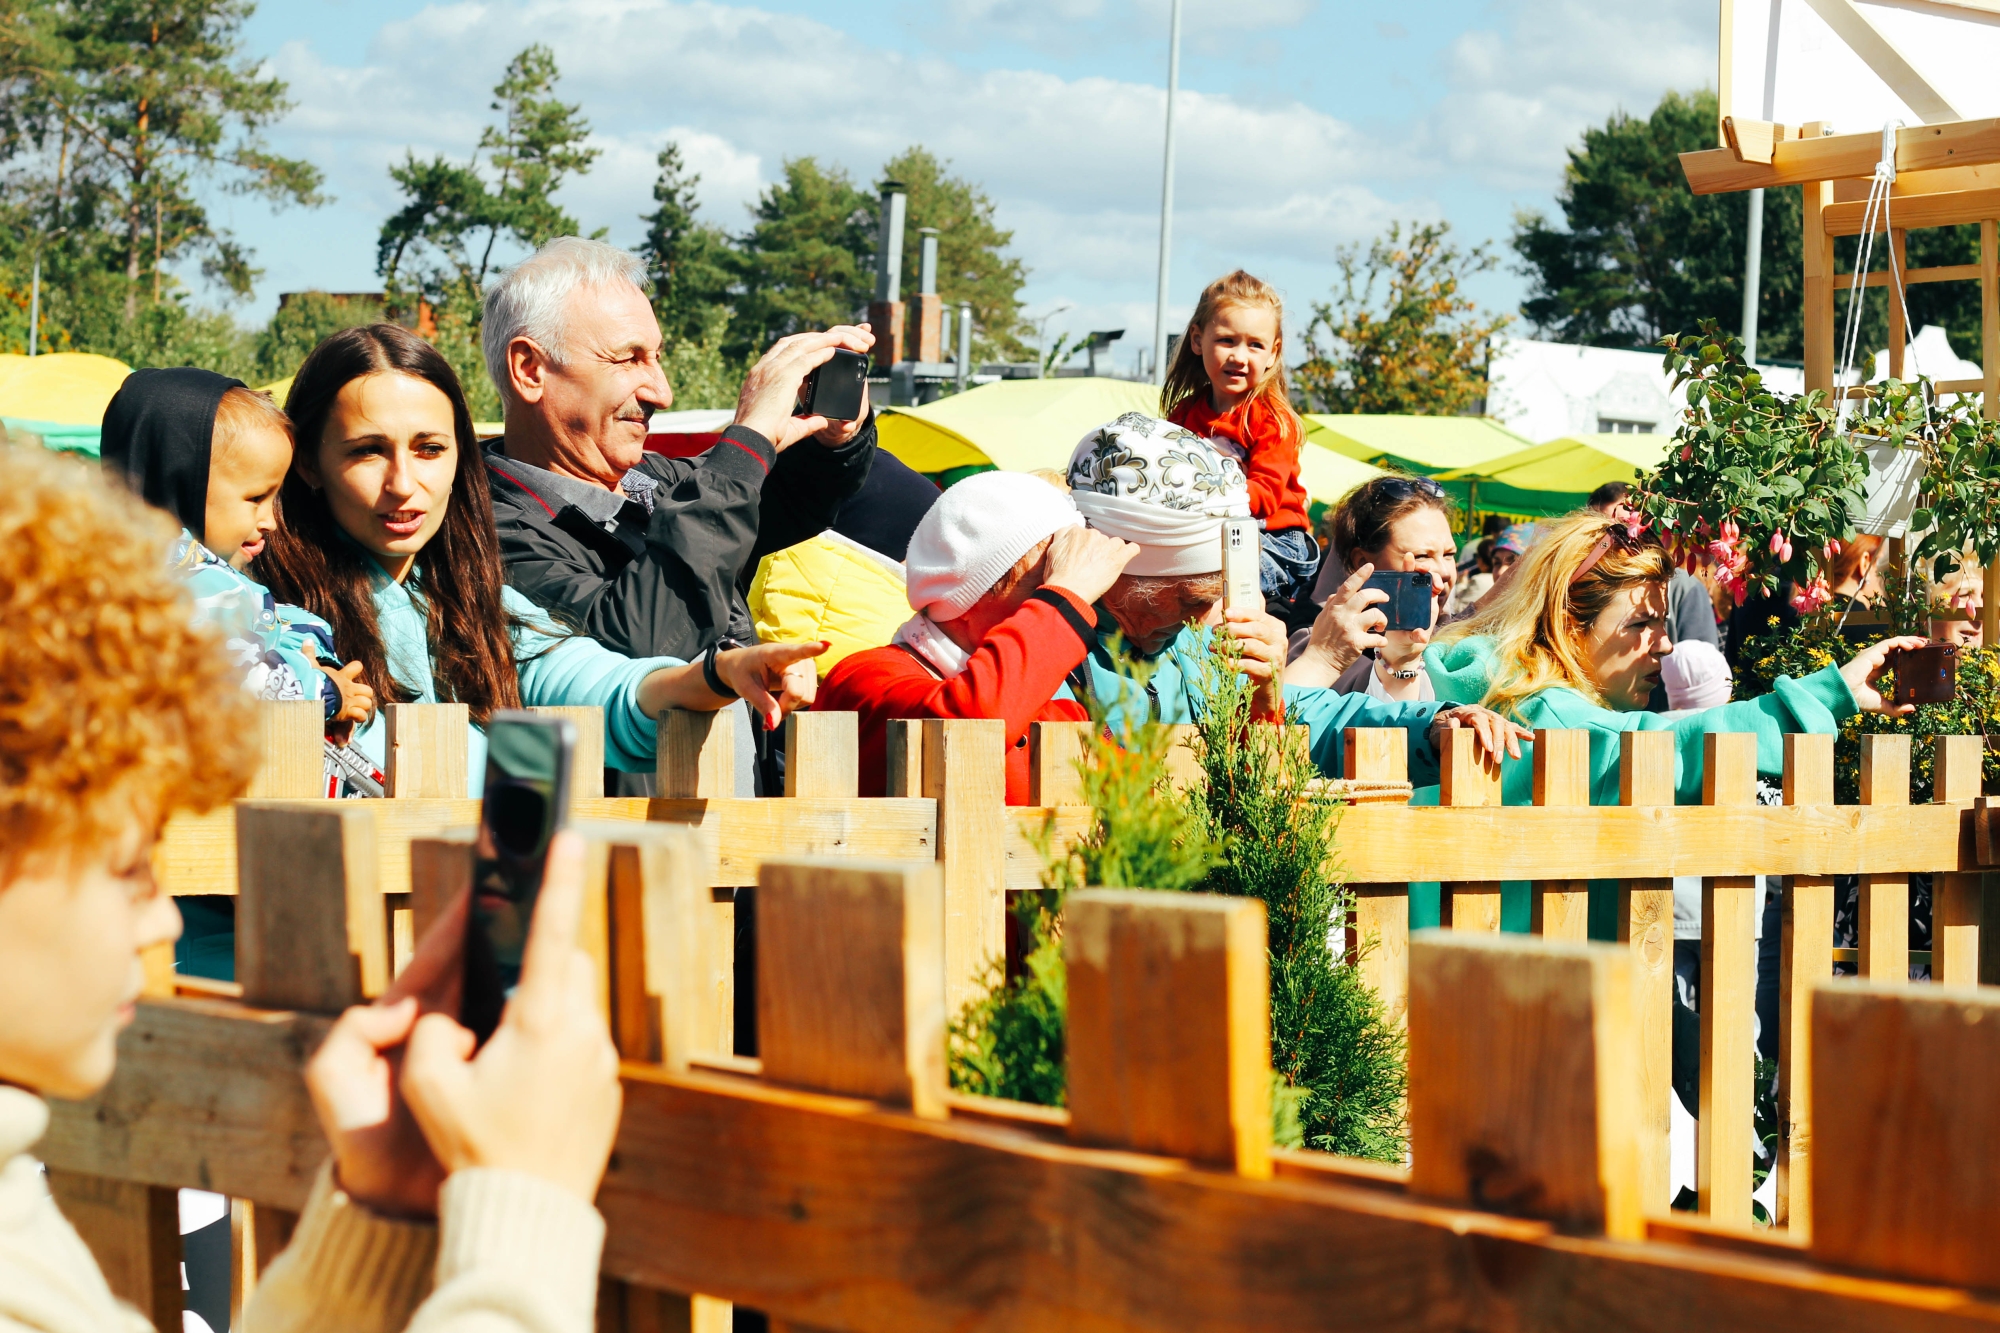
{"type": "Point", "coordinates": [709, 675]}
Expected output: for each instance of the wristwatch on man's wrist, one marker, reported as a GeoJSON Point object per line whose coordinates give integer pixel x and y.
{"type": "Point", "coordinates": [709, 675]}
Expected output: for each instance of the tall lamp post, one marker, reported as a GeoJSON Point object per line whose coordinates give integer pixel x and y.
{"type": "Point", "coordinates": [1167, 193]}
{"type": "Point", "coordinates": [35, 291]}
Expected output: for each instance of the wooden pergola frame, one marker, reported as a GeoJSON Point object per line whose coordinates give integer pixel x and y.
{"type": "Point", "coordinates": [1947, 175]}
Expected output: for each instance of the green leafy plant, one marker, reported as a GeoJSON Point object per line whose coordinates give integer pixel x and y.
{"type": "Point", "coordinates": [1339, 1064]}
{"type": "Point", "coordinates": [1009, 1042]}
{"type": "Point", "coordinates": [1772, 485]}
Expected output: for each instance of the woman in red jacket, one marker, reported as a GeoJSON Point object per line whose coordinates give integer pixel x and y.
{"type": "Point", "coordinates": [1003, 576]}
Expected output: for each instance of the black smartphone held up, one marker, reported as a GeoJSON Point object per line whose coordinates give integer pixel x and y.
{"type": "Point", "coordinates": [1411, 597]}
{"type": "Point", "coordinates": [1926, 675]}
{"type": "Point", "coordinates": [528, 760]}
{"type": "Point", "coordinates": [835, 390]}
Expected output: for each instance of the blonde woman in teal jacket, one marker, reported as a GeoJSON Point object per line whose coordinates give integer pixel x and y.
{"type": "Point", "coordinates": [1575, 640]}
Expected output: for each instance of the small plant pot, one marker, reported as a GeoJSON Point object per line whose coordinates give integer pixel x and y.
{"type": "Point", "coordinates": [1895, 481]}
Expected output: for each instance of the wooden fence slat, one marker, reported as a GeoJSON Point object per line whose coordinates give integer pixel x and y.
{"type": "Point", "coordinates": [1468, 776]}
{"type": "Point", "coordinates": [1958, 900]}
{"type": "Point", "coordinates": [1646, 927]}
{"type": "Point", "coordinates": [429, 750]}
{"type": "Point", "coordinates": [1381, 910]}
{"type": "Point", "coordinates": [134, 1233]}
{"type": "Point", "coordinates": [1055, 749]}
{"type": "Point", "coordinates": [586, 779]}
{"type": "Point", "coordinates": [1560, 908]}
{"type": "Point", "coordinates": [965, 772]}
{"type": "Point", "coordinates": [1805, 959]}
{"type": "Point", "coordinates": [822, 754]}
{"type": "Point", "coordinates": [1522, 1079]}
{"type": "Point", "coordinates": [1168, 1041]}
{"type": "Point", "coordinates": [696, 755]}
{"type": "Point", "coordinates": [1906, 1104]}
{"type": "Point", "coordinates": [311, 932]}
{"type": "Point", "coordinates": [1728, 999]}
{"type": "Point", "coordinates": [850, 980]}
{"type": "Point", "coordinates": [292, 741]}
{"type": "Point", "coordinates": [1883, 922]}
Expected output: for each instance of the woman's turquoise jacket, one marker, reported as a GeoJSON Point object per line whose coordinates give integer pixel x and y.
{"type": "Point", "coordinates": [556, 668]}
{"type": "Point", "coordinates": [1461, 671]}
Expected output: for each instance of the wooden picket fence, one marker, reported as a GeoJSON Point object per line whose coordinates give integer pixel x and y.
{"type": "Point", "coordinates": [837, 1184]}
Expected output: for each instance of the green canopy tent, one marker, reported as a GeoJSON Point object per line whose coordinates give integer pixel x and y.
{"type": "Point", "coordinates": [1426, 445]}
{"type": "Point", "coordinates": [1556, 477]}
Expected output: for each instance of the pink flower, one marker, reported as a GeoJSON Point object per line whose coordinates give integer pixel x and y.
{"type": "Point", "coordinates": [1785, 554]}
{"type": "Point", "coordinates": [1777, 541]}
{"type": "Point", "coordinates": [1730, 532]}
{"type": "Point", "coordinates": [1687, 452]}
{"type": "Point", "coordinates": [1812, 596]}
{"type": "Point", "coordinates": [1739, 590]}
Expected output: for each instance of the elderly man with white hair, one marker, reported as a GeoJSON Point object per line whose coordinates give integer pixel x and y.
{"type": "Point", "coordinates": [643, 552]}
{"type": "Point", "coordinates": [1167, 490]}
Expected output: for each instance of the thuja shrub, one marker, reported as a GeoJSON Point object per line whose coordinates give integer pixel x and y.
{"type": "Point", "coordinates": [1338, 1064]}
{"type": "Point", "coordinates": [1009, 1042]}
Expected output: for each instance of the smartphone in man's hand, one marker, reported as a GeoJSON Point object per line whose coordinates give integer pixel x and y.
{"type": "Point", "coordinates": [836, 389]}
{"type": "Point", "coordinates": [528, 761]}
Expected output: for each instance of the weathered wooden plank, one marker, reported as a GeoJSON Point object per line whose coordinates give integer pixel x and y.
{"type": "Point", "coordinates": [1817, 157]}
{"type": "Point", "coordinates": [850, 979]}
{"type": "Point", "coordinates": [1055, 749]}
{"type": "Point", "coordinates": [1805, 958]}
{"type": "Point", "coordinates": [1958, 900]}
{"type": "Point", "coordinates": [965, 773]}
{"type": "Point", "coordinates": [586, 779]}
{"type": "Point", "coordinates": [1378, 933]}
{"type": "Point", "coordinates": [1951, 208]}
{"type": "Point", "coordinates": [822, 754]}
{"type": "Point", "coordinates": [696, 755]}
{"type": "Point", "coordinates": [889, 1222]}
{"type": "Point", "coordinates": [1723, 1139]}
{"type": "Point", "coordinates": [197, 853]}
{"type": "Point", "coordinates": [745, 830]}
{"type": "Point", "coordinates": [133, 1231]}
{"type": "Point", "coordinates": [1523, 1086]}
{"type": "Point", "coordinates": [1469, 778]}
{"type": "Point", "coordinates": [310, 928]}
{"type": "Point", "coordinates": [292, 741]}
{"type": "Point", "coordinates": [1168, 1042]}
{"type": "Point", "coordinates": [1560, 908]}
{"type": "Point", "coordinates": [208, 1095]}
{"type": "Point", "coordinates": [1646, 761]}
{"type": "Point", "coordinates": [428, 750]}
{"type": "Point", "coordinates": [1906, 1102]}
{"type": "Point", "coordinates": [1378, 842]}
{"type": "Point", "coordinates": [1883, 923]}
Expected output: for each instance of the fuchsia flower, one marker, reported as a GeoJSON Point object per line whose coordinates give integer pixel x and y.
{"type": "Point", "coordinates": [1812, 596]}
{"type": "Point", "coordinates": [1777, 541]}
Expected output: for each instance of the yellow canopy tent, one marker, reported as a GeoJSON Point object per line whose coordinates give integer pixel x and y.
{"type": "Point", "coordinates": [1015, 425]}
{"type": "Point", "coordinates": [1428, 445]}
{"type": "Point", "coordinates": [1556, 477]}
{"type": "Point", "coordinates": [59, 397]}
{"type": "Point", "coordinates": [1023, 425]}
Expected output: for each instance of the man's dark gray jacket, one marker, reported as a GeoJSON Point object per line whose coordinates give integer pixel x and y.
{"type": "Point", "coordinates": [670, 583]}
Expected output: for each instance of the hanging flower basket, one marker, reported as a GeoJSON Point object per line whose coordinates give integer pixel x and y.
{"type": "Point", "coordinates": [1771, 486]}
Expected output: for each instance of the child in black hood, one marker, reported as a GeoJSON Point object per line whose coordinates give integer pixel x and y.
{"type": "Point", "coordinates": [213, 453]}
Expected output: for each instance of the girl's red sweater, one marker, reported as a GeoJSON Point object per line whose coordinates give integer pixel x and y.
{"type": "Point", "coordinates": [1272, 437]}
{"type": "Point", "coordinates": [1013, 675]}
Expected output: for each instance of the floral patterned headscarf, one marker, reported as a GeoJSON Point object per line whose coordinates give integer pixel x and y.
{"type": "Point", "coordinates": [1157, 484]}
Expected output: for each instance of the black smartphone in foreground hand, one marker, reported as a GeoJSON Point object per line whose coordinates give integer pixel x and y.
{"type": "Point", "coordinates": [1411, 593]}
{"type": "Point", "coordinates": [528, 759]}
{"type": "Point", "coordinates": [836, 389]}
{"type": "Point", "coordinates": [1926, 675]}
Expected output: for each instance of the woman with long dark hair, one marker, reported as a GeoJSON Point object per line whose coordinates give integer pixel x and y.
{"type": "Point", "coordinates": [387, 534]}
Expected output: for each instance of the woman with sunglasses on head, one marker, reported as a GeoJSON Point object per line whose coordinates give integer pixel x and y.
{"type": "Point", "coordinates": [1575, 640]}
{"type": "Point", "coordinates": [1391, 523]}
{"type": "Point", "coordinates": [387, 534]}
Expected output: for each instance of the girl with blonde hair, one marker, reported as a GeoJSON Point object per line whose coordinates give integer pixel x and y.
{"type": "Point", "coordinates": [1575, 640]}
{"type": "Point", "coordinates": [1227, 384]}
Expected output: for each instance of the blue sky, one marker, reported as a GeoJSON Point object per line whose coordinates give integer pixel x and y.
{"type": "Point", "coordinates": [1305, 124]}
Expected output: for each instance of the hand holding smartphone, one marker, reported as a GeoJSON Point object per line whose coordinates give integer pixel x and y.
{"type": "Point", "coordinates": [1242, 565]}
{"type": "Point", "coordinates": [836, 389]}
{"type": "Point", "coordinates": [1412, 598]}
{"type": "Point", "coordinates": [528, 762]}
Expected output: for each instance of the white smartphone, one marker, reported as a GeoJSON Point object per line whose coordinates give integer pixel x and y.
{"type": "Point", "coordinates": [1242, 565]}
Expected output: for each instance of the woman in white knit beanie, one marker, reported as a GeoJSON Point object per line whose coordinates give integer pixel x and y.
{"type": "Point", "coordinates": [1003, 578]}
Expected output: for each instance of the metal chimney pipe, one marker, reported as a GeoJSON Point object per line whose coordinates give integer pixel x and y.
{"type": "Point", "coordinates": [927, 275]}
{"type": "Point", "coordinates": [889, 250]}
{"type": "Point", "coordinates": [964, 344]}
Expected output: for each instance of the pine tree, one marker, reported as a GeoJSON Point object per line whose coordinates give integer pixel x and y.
{"type": "Point", "coordinates": [692, 263]}
{"type": "Point", "coordinates": [972, 263]}
{"type": "Point", "coordinates": [807, 260]}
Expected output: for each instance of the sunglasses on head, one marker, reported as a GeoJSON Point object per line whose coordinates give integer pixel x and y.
{"type": "Point", "coordinates": [1620, 536]}
{"type": "Point", "coordinates": [1402, 486]}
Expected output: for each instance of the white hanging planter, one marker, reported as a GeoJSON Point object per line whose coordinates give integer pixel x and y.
{"type": "Point", "coordinates": [1895, 479]}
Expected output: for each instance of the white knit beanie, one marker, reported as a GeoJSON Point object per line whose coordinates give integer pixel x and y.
{"type": "Point", "coordinates": [1696, 675]}
{"type": "Point", "coordinates": [1149, 481]}
{"type": "Point", "coordinates": [974, 534]}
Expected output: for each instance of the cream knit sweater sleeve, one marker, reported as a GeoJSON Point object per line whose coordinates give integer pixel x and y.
{"type": "Point", "coordinates": [510, 1254]}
